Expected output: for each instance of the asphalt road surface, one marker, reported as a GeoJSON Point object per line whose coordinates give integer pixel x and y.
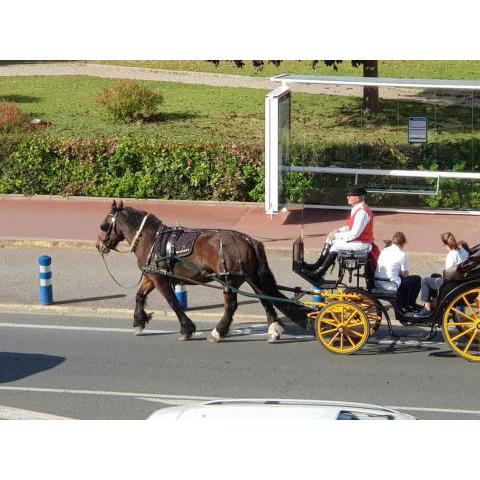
{"type": "Point", "coordinates": [95, 368]}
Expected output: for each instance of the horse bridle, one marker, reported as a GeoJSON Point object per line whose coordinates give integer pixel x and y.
{"type": "Point", "coordinates": [103, 247]}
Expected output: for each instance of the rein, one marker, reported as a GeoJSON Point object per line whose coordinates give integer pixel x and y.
{"type": "Point", "coordinates": [115, 280]}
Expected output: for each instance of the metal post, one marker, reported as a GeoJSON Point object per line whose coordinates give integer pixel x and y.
{"type": "Point", "coordinates": [45, 289]}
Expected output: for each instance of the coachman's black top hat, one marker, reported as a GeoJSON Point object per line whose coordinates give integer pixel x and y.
{"type": "Point", "coordinates": [358, 191]}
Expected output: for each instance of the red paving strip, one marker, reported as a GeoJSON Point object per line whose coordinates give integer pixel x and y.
{"type": "Point", "coordinates": [74, 218]}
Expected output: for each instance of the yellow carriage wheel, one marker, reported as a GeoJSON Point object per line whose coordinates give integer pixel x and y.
{"type": "Point", "coordinates": [342, 327]}
{"type": "Point", "coordinates": [461, 324]}
{"type": "Point", "coordinates": [373, 311]}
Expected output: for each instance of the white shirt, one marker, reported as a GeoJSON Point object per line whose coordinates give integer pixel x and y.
{"type": "Point", "coordinates": [454, 257]}
{"type": "Point", "coordinates": [391, 262]}
{"type": "Point", "coordinates": [359, 223]}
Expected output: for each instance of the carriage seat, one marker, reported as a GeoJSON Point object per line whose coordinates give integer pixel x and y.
{"type": "Point", "coordinates": [383, 291]}
{"type": "Point", "coordinates": [361, 256]}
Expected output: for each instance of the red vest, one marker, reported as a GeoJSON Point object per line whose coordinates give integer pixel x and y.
{"type": "Point", "coordinates": [367, 234]}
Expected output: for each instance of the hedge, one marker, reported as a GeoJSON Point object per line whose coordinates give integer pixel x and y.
{"type": "Point", "coordinates": [142, 168]}
{"type": "Point", "coordinates": [133, 168]}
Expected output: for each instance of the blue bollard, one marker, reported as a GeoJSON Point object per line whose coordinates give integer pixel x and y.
{"type": "Point", "coordinates": [181, 294]}
{"type": "Point", "coordinates": [45, 291]}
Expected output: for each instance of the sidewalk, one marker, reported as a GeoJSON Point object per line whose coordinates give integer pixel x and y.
{"type": "Point", "coordinates": [76, 220]}
{"type": "Point", "coordinates": [216, 80]}
{"type": "Point", "coordinates": [82, 285]}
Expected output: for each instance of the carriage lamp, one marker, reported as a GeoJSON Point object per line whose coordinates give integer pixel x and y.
{"type": "Point", "coordinates": [45, 291]}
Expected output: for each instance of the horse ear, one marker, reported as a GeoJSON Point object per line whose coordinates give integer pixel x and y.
{"type": "Point", "coordinates": [120, 204]}
{"type": "Point", "coordinates": [114, 206]}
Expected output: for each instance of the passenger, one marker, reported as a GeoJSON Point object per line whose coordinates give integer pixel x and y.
{"type": "Point", "coordinates": [392, 265]}
{"type": "Point", "coordinates": [463, 244]}
{"type": "Point", "coordinates": [356, 236]}
{"type": "Point", "coordinates": [430, 286]}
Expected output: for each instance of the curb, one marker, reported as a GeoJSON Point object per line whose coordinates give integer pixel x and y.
{"type": "Point", "coordinates": [107, 312]}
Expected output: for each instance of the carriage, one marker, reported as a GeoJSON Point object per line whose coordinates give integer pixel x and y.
{"type": "Point", "coordinates": [345, 314]}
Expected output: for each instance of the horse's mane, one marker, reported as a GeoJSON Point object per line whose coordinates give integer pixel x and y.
{"type": "Point", "coordinates": [137, 216]}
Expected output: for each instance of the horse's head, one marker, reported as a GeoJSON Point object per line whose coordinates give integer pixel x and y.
{"type": "Point", "coordinates": [111, 234]}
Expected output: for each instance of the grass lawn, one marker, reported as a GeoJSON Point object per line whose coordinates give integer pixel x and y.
{"type": "Point", "coordinates": [219, 114]}
{"type": "Point", "coordinates": [443, 69]}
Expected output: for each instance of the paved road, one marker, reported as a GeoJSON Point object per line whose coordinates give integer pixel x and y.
{"type": "Point", "coordinates": [93, 368]}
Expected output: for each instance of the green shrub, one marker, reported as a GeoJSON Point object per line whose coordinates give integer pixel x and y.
{"type": "Point", "coordinates": [12, 118]}
{"type": "Point", "coordinates": [133, 168]}
{"type": "Point", "coordinates": [129, 101]}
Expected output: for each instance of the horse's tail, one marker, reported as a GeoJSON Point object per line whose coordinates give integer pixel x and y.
{"type": "Point", "coordinates": [268, 286]}
{"type": "Point", "coordinates": [263, 268]}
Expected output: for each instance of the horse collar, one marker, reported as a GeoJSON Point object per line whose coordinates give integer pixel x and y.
{"type": "Point", "coordinates": [133, 245]}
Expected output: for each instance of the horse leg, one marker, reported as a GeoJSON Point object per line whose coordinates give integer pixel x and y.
{"type": "Point", "coordinates": [187, 327]}
{"type": "Point", "coordinates": [275, 326]}
{"type": "Point", "coordinates": [221, 330]}
{"type": "Point", "coordinates": [140, 317]}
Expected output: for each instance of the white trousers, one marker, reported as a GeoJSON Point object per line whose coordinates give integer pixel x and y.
{"type": "Point", "coordinates": [343, 246]}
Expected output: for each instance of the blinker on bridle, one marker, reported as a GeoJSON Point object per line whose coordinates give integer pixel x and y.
{"type": "Point", "coordinates": [103, 248]}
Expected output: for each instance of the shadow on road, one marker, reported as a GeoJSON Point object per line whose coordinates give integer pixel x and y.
{"type": "Point", "coordinates": [89, 299]}
{"type": "Point", "coordinates": [393, 349]}
{"type": "Point", "coordinates": [14, 366]}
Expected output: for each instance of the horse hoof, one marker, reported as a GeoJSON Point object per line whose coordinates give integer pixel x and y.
{"type": "Point", "coordinates": [214, 336]}
{"type": "Point", "coordinates": [184, 337]}
{"type": "Point", "coordinates": [274, 331]}
{"type": "Point", "coordinates": [273, 338]}
{"type": "Point", "coordinates": [138, 330]}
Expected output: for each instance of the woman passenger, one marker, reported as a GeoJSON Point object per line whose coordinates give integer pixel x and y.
{"type": "Point", "coordinates": [430, 286]}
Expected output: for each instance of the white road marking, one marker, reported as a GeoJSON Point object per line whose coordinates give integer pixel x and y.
{"type": "Point", "coordinates": [442, 410]}
{"type": "Point", "coordinates": [76, 327]}
{"type": "Point", "coordinates": [254, 331]}
{"type": "Point", "coordinates": [185, 399]}
{"type": "Point", "coordinates": [106, 393]}
{"type": "Point", "coordinates": [10, 413]}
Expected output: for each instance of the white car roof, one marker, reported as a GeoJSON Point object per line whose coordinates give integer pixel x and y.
{"type": "Point", "coordinates": [278, 409]}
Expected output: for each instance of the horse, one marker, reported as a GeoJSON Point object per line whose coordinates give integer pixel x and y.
{"type": "Point", "coordinates": [228, 254]}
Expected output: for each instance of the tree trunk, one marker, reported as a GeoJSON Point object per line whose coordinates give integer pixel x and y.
{"type": "Point", "coordinates": [370, 94]}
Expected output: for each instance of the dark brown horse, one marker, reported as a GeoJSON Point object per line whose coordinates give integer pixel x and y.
{"type": "Point", "coordinates": [214, 252]}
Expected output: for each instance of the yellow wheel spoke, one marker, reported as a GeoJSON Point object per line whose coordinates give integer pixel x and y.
{"type": "Point", "coordinates": [461, 334]}
{"type": "Point", "coordinates": [469, 342]}
{"type": "Point", "coordinates": [349, 339]}
{"type": "Point", "coordinates": [330, 322]}
{"type": "Point", "coordinates": [456, 324]}
{"type": "Point", "coordinates": [469, 306]}
{"type": "Point", "coordinates": [350, 317]}
{"type": "Point", "coordinates": [334, 316]}
{"type": "Point", "coordinates": [341, 341]}
{"type": "Point", "coordinates": [356, 333]}
{"type": "Point", "coordinates": [333, 338]}
{"type": "Point", "coordinates": [463, 314]}
{"type": "Point", "coordinates": [325, 332]}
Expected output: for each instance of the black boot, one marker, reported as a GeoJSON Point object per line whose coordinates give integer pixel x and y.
{"type": "Point", "coordinates": [328, 261]}
{"type": "Point", "coordinates": [310, 267]}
